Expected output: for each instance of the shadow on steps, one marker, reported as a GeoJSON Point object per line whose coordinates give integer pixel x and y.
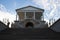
{"type": "Point", "coordinates": [24, 33]}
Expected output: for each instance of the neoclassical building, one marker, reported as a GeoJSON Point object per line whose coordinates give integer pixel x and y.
{"type": "Point", "coordinates": [30, 17]}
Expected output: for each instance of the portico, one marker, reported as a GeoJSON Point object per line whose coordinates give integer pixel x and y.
{"type": "Point", "coordinates": [29, 15]}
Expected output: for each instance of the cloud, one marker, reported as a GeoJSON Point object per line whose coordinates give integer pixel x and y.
{"type": "Point", "coordinates": [2, 8]}
{"type": "Point", "coordinates": [6, 15]}
{"type": "Point", "coordinates": [50, 6]}
{"type": "Point", "coordinates": [43, 3]}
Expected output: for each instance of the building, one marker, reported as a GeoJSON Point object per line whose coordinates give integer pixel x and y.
{"type": "Point", "coordinates": [31, 17]}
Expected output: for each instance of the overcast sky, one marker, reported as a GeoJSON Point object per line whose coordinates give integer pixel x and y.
{"type": "Point", "coordinates": [8, 7]}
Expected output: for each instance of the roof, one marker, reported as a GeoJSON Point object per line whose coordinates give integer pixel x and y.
{"type": "Point", "coordinates": [30, 6]}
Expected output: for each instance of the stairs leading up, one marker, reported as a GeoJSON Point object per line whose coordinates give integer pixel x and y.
{"type": "Point", "coordinates": [29, 33]}
{"type": "Point", "coordinates": [3, 26]}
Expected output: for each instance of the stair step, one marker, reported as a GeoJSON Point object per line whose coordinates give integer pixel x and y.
{"type": "Point", "coordinates": [29, 34]}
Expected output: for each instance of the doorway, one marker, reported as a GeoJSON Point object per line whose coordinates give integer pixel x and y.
{"type": "Point", "coordinates": [29, 24]}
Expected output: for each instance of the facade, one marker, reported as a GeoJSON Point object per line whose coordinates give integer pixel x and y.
{"type": "Point", "coordinates": [30, 16]}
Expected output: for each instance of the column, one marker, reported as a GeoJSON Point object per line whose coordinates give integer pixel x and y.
{"type": "Point", "coordinates": [16, 17]}
{"type": "Point", "coordinates": [34, 15]}
{"type": "Point", "coordinates": [25, 15]}
{"type": "Point", "coordinates": [43, 17]}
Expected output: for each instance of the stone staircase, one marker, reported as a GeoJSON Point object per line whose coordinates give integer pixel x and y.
{"type": "Point", "coordinates": [3, 26]}
{"type": "Point", "coordinates": [29, 34]}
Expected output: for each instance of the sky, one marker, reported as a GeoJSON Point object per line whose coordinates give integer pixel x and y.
{"type": "Point", "coordinates": [8, 7]}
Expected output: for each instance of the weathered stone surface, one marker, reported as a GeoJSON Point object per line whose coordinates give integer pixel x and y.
{"type": "Point", "coordinates": [35, 24]}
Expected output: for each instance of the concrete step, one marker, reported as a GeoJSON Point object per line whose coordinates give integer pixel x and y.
{"type": "Point", "coordinates": [27, 33]}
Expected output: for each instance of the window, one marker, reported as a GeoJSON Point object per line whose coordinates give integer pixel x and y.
{"type": "Point", "coordinates": [29, 14]}
{"type": "Point", "coordinates": [38, 15]}
{"type": "Point", "coordinates": [21, 15]}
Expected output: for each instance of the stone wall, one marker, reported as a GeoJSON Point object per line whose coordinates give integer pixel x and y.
{"type": "Point", "coordinates": [36, 24]}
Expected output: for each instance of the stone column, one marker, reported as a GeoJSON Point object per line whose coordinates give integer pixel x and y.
{"type": "Point", "coordinates": [43, 17]}
{"type": "Point", "coordinates": [34, 15]}
{"type": "Point", "coordinates": [16, 17]}
{"type": "Point", "coordinates": [25, 15]}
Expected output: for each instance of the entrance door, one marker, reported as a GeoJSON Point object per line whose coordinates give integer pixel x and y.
{"type": "Point", "coordinates": [29, 24]}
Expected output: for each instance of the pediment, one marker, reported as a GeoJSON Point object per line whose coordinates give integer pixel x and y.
{"type": "Point", "coordinates": [30, 8]}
